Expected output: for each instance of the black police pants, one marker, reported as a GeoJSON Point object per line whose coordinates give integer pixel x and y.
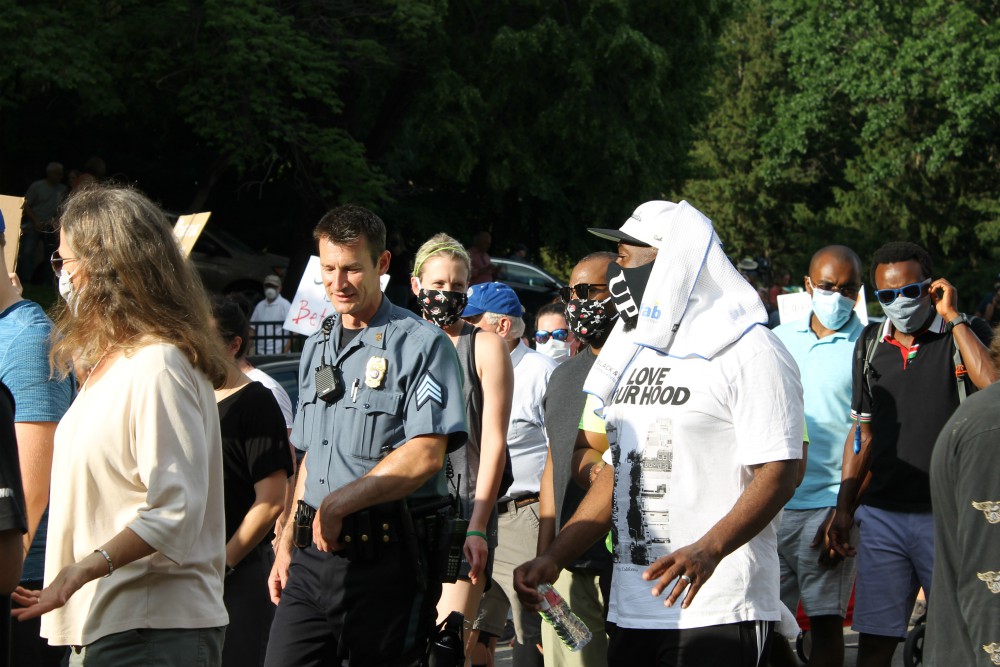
{"type": "Point", "coordinates": [373, 614]}
{"type": "Point", "coordinates": [743, 644]}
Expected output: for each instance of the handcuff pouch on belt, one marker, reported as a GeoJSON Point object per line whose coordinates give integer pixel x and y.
{"type": "Point", "coordinates": [366, 533]}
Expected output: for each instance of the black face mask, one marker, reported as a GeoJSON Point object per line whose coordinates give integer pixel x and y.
{"type": "Point", "coordinates": [627, 287]}
{"type": "Point", "coordinates": [589, 319]}
{"type": "Point", "coordinates": [442, 307]}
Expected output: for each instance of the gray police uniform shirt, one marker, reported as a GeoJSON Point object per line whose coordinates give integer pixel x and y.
{"type": "Point", "coordinates": [400, 378]}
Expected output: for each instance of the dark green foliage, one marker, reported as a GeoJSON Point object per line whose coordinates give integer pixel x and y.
{"type": "Point", "coordinates": [532, 119]}
{"type": "Point", "coordinates": [791, 123]}
{"type": "Point", "coordinates": [858, 122]}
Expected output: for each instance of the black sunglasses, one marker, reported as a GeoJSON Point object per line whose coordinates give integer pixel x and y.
{"type": "Point", "coordinates": [542, 336]}
{"type": "Point", "coordinates": [57, 262]}
{"type": "Point", "coordinates": [911, 291]}
{"type": "Point", "coordinates": [581, 290]}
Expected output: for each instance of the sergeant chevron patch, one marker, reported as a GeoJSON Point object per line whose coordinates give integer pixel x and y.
{"type": "Point", "coordinates": [429, 390]}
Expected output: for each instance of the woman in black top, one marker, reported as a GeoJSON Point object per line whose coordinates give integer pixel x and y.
{"type": "Point", "coordinates": [257, 462]}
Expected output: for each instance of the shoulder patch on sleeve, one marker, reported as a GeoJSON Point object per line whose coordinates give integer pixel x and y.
{"type": "Point", "coordinates": [429, 389]}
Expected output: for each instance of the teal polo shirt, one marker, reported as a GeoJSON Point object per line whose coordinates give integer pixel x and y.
{"type": "Point", "coordinates": [825, 366]}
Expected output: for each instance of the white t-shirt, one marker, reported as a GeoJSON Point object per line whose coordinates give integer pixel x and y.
{"type": "Point", "coordinates": [141, 449]}
{"type": "Point", "coordinates": [683, 435]}
{"type": "Point", "coordinates": [280, 395]}
{"type": "Point", "coordinates": [274, 314]}
{"type": "Point", "coordinates": [526, 438]}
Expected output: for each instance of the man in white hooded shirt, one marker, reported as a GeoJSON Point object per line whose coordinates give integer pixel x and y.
{"type": "Point", "coordinates": [704, 418]}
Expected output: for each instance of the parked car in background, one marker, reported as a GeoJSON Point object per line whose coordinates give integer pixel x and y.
{"type": "Point", "coordinates": [229, 266]}
{"type": "Point", "coordinates": [535, 287]}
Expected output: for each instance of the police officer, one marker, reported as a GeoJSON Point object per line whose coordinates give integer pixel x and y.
{"type": "Point", "coordinates": [379, 405]}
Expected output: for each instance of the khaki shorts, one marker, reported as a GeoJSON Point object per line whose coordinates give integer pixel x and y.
{"type": "Point", "coordinates": [824, 591]}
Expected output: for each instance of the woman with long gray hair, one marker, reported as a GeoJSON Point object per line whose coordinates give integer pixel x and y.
{"type": "Point", "coordinates": [136, 538]}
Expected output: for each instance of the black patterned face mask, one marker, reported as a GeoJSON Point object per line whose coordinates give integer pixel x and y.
{"type": "Point", "coordinates": [589, 319]}
{"type": "Point", "coordinates": [442, 307]}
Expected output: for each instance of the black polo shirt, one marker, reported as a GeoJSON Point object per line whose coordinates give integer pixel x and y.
{"type": "Point", "coordinates": [913, 393]}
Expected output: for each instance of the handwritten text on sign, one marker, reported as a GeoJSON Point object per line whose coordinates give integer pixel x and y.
{"type": "Point", "coordinates": [311, 305]}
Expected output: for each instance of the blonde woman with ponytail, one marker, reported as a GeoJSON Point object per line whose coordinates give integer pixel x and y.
{"type": "Point", "coordinates": [441, 282]}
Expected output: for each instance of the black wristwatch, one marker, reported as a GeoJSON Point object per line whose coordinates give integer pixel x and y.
{"type": "Point", "coordinates": [961, 319]}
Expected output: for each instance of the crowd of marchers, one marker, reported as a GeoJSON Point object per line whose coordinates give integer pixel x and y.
{"type": "Point", "coordinates": [694, 484]}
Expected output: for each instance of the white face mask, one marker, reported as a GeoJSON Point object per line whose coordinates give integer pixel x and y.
{"type": "Point", "coordinates": [557, 349]}
{"type": "Point", "coordinates": [67, 291]}
{"type": "Point", "coordinates": [270, 293]}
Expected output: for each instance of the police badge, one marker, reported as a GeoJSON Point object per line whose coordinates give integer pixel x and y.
{"type": "Point", "coordinates": [375, 372]}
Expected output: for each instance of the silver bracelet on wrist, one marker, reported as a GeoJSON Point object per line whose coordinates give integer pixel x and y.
{"type": "Point", "coordinates": [111, 565]}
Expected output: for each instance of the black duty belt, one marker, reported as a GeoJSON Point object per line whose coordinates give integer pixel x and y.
{"type": "Point", "coordinates": [505, 506]}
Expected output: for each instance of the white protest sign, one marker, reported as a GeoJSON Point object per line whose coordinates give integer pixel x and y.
{"type": "Point", "coordinates": [311, 305]}
{"type": "Point", "coordinates": [793, 307]}
{"type": "Point", "coordinates": [188, 228]}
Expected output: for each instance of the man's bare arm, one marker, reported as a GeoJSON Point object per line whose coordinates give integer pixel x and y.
{"type": "Point", "coordinates": [11, 560]}
{"type": "Point", "coordinates": [396, 476]}
{"type": "Point", "coordinates": [771, 487]}
{"type": "Point", "coordinates": [546, 507]}
{"type": "Point", "coordinates": [588, 456]}
{"type": "Point", "coordinates": [34, 450]}
{"type": "Point", "coordinates": [590, 523]}
{"type": "Point", "coordinates": [975, 355]}
{"type": "Point", "coordinates": [855, 474]}
{"type": "Point", "coordinates": [283, 546]}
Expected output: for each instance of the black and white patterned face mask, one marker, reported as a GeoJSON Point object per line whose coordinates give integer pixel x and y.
{"type": "Point", "coordinates": [442, 307]}
{"type": "Point", "coordinates": [590, 319]}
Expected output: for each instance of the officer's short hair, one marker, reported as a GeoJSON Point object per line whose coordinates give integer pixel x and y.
{"type": "Point", "coordinates": [348, 224]}
{"type": "Point", "coordinates": [902, 251]}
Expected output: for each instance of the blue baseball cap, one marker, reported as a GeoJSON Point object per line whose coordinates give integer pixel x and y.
{"type": "Point", "coordinates": [493, 298]}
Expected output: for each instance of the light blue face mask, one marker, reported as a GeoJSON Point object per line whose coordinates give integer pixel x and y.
{"type": "Point", "coordinates": [832, 309]}
{"type": "Point", "coordinates": [908, 315]}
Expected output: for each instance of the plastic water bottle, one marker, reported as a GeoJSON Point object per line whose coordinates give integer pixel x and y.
{"type": "Point", "coordinates": [573, 632]}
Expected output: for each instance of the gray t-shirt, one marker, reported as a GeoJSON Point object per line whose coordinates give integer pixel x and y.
{"type": "Point", "coordinates": [563, 405]}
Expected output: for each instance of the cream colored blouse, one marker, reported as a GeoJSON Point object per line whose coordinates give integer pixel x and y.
{"type": "Point", "coordinates": [140, 449]}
